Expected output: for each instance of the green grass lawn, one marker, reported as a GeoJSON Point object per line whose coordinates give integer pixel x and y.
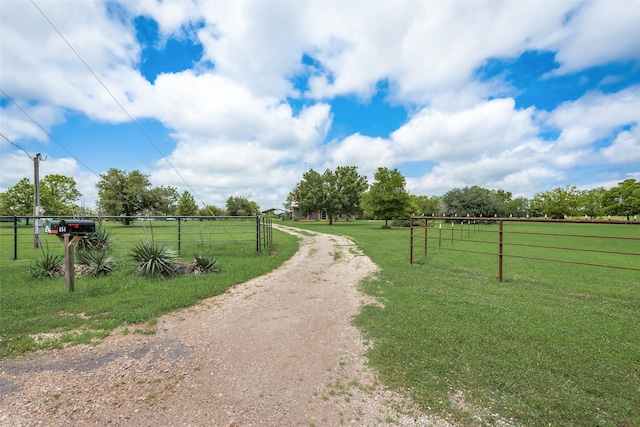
{"type": "Point", "coordinates": [554, 344]}
{"type": "Point", "coordinates": [30, 308]}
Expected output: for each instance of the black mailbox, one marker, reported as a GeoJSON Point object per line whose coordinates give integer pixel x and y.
{"type": "Point", "coordinates": [74, 227]}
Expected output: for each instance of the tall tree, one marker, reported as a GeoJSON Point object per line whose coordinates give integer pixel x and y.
{"type": "Point", "coordinates": [241, 206]}
{"type": "Point", "coordinates": [557, 203]}
{"type": "Point", "coordinates": [474, 201]}
{"type": "Point", "coordinates": [426, 205]}
{"type": "Point", "coordinates": [17, 200]}
{"type": "Point", "coordinates": [123, 193]}
{"type": "Point", "coordinates": [624, 199]}
{"type": "Point", "coordinates": [58, 195]}
{"type": "Point", "coordinates": [332, 192]}
{"type": "Point", "coordinates": [388, 197]}
{"type": "Point", "coordinates": [162, 200]}
{"type": "Point", "coordinates": [187, 205]}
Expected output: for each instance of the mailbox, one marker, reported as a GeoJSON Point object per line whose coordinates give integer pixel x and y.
{"type": "Point", "coordinates": [73, 227]}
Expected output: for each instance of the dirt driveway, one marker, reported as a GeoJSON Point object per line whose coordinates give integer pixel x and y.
{"type": "Point", "coordinates": [278, 350]}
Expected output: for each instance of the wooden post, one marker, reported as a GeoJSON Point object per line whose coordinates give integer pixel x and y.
{"type": "Point", "coordinates": [69, 242]}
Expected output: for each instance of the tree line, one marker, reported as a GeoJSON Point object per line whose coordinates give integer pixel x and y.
{"type": "Point", "coordinates": [120, 193]}
{"type": "Point", "coordinates": [334, 192]}
{"type": "Point", "coordinates": [345, 191]}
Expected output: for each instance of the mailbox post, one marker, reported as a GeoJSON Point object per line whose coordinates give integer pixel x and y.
{"type": "Point", "coordinates": [70, 232]}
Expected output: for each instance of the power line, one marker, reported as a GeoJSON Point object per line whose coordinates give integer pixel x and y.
{"type": "Point", "coordinates": [13, 143]}
{"type": "Point", "coordinates": [45, 131]}
{"type": "Point", "coordinates": [134, 121]}
{"type": "Point", "coordinates": [121, 107]}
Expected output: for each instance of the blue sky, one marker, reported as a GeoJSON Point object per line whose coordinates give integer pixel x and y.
{"type": "Point", "coordinates": [239, 98]}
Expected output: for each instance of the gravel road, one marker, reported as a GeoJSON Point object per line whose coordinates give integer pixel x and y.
{"type": "Point", "coordinates": [278, 350]}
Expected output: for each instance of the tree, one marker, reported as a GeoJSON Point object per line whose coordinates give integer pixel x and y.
{"type": "Point", "coordinates": [623, 199]}
{"type": "Point", "coordinates": [162, 200]}
{"type": "Point", "coordinates": [17, 200]}
{"type": "Point", "coordinates": [474, 201]}
{"type": "Point", "coordinates": [590, 202]}
{"type": "Point", "coordinates": [518, 207]}
{"type": "Point", "coordinates": [387, 196]}
{"type": "Point", "coordinates": [426, 205]}
{"type": "Point", "coordinates": [241, 206]}
{"type": "Point", "coordinates": [333, 192]}
{"type": "Point", "coordinates": [557, 203]}
{"type": "Point", "coordinates": [123, 193]}
{"type": "Point", "coordinates": [187, 205]}
{"type": "Point", "coordinates": [210, 210]}
{"type": "Point", "coordinates": [58, 195]}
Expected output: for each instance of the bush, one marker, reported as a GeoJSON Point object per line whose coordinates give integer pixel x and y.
{"type": "Point", "coordinates": [96, 262]}
{"type": "Point", "coordinates": [49, 266]}
{"type": "Point", "coordinates": [155, 259]}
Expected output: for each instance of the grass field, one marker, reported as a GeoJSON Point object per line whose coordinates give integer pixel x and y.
{"type": "Point", "coordinates": [40, 314]}
{"type": "Point", "coordinates": [554, 344]}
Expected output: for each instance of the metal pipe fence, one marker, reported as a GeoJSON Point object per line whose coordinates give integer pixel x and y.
{"type": "Point", "coordinates": [617, 246]}
{"type": "Point", "coordinates": [18, 233]}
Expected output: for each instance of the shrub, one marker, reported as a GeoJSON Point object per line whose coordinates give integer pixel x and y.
{"type": "Point", "coordinates": [49, 266]}
{"type": "Point", "coordinates": [97, 262]}
{"type": "Point", "coordinates": [99, 239]}
{"type": "Point", "coordinates": [155, 259]}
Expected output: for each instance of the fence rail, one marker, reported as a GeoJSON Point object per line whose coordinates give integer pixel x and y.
{"type": "Point", "coordinates": [18, 234]}
{"type": "Point", "coordinates": [491, 237]}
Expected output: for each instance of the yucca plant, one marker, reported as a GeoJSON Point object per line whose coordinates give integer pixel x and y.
{"type": "Point", "coordinates": [155, 259]}
{"type": "Point", "coordinates": [207, 264]}
{"type": "Point", "coordinates": [97, 262]}
{"type": "Point", "coordinates": [99, 239]}
{"type": "Point", "coordinates": [49, 266]}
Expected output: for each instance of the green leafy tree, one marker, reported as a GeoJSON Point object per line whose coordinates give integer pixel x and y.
{"type": "Point", "coordinates": [187, 205]}
{"type": "Point", "coordinates": [624, 199]}
{"type": "Point", "coordinates": [388, 197]}
{"type": "Point", "coordinates": [241, 206]}
{"type": "Point", "coordinates": [17, 200]}
{"type": "Point", "coordinates": [426, 205]}
{"type": "Point", "coordinates": [333, 192]}
{"type": "Point", "coordinates": [161, 200]}
{"type": "Point", "coordinates": [474, 201]}
{"type": "Point", "coordinates": [557, 203]}
{"type": "Point", "coordinates": [123, 193]}
{"type": "Point", "coordinates": [517, 207]}
{"type": "Point", "coordinates": [590, 202]}
{"type": "Point", "coordinates": [58, 195]}
{"type": "Point", "coordinates": [210, 210]}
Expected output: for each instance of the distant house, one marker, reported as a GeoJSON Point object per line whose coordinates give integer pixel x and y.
{"type": "Point", "coordinates": [296, 215]}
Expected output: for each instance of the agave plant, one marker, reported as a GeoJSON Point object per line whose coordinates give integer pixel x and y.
{"type": "Point", "coordinates": [97, 262]}
{"type": "Point", "coordinates": [49, 266]}
{"type": "Point", "coordinates": [155, 259]}
{"type": "Point", "coordinates": [206, 264]}
{"type": "Point", "coordinates": [99, 239]}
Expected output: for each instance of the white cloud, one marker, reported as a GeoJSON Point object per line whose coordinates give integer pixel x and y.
{"type": "Point", "coordinates": [598, 33]}
{"type": "Point", "coordinates": [625, 148]}
{"type": "Point", "coordinates": [595, 115]}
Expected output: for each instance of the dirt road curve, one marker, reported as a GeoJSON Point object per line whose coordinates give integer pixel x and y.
{"type": "Point", "coordinates": [278, 350]}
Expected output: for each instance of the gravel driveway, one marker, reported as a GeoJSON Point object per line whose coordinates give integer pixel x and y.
{"type": "Point", "coordinates": [278, 350]}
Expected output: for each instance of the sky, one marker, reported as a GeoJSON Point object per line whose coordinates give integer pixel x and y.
{"type": "Point", "coordinates": [240, 98]}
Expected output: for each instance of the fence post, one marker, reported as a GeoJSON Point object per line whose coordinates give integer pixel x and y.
{"type": "Point", "coordinates": [500, 252]}
{"type": "Point", "coordinates": [426, 231]}
{"type": "Point", "coordinates": [15, 237]}
{"type": "Point", "coordinates": [179, 236]}
{"type": "Point", "coordinates": [411, 240]}
{"type": "Point", "coordinates": [257, 233]}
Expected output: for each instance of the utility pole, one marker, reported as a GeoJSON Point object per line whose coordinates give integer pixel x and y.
{"type": "Point", "coordinates": [36, 200]}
